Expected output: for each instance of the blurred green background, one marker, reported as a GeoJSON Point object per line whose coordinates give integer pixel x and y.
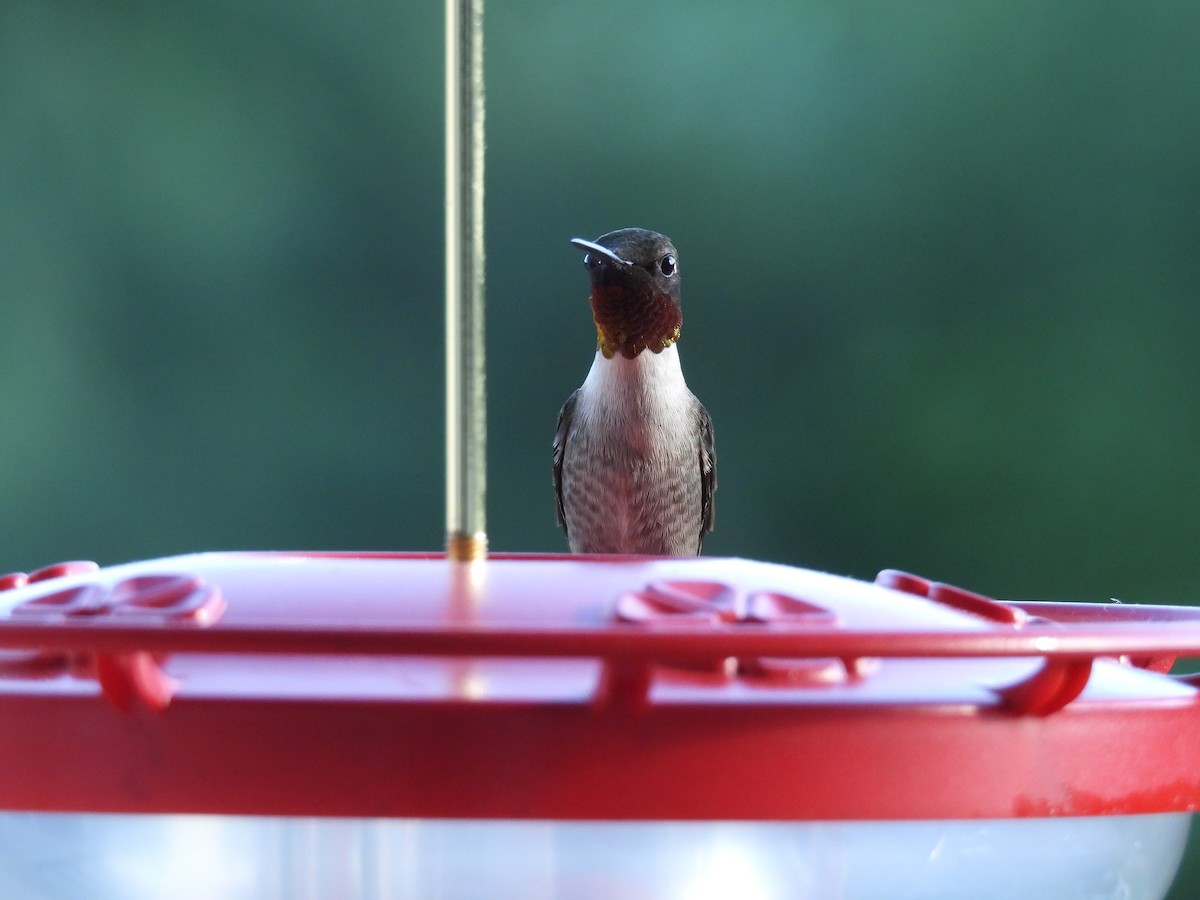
{"type": "Point", "coordinates": [941, 267]}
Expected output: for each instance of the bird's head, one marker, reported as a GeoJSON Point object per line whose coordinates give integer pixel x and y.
{"type": "Point", "coordinates": [635, 291]}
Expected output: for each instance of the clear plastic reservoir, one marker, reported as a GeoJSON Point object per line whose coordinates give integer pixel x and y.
{"type": "Point", "coordinates": [131, 857]}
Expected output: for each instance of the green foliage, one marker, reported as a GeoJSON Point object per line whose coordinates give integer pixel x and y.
{"type": "Point", "coordinates": [940, 283]}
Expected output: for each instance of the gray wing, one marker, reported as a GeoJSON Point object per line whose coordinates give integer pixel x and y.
{"type": "Point", "coordinates": [708, 473]}
{"type": "Point", "coordinates": [565, 415]}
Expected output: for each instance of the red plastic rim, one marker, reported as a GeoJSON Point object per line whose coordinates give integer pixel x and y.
{"type": "Point", "coordinates": [567, 687]}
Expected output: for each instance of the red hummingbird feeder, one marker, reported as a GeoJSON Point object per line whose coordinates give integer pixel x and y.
{"type": "Point", "coordinates": [403, 725]}
{"type": "Point", "coordinates": [371, 725]}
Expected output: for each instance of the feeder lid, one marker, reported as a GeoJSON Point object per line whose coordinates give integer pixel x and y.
{"type": "Point", "coordinates": [562, 687]}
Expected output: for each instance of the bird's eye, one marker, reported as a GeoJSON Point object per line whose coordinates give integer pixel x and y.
{"type": "Point", "coordinates": [591, 261]}
{"type": "Point", "coordinates": [667, 264]}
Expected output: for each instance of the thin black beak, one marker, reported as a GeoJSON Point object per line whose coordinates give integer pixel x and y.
{"type": "Point", "coordinates": [593, 247]}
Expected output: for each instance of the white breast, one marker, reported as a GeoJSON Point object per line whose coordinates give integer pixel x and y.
{"type": "Point", "coordinates": [648, 389]}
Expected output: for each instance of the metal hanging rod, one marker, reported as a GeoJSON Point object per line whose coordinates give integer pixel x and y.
{"type": "Point", "coordinates": [466, 414]}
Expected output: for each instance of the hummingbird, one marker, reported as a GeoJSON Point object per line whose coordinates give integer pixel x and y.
{"type": "Point", "coordinates": [633, 459]}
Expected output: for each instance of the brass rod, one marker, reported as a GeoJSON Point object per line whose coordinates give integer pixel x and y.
{"type": "Point", "coordinates": [466, 415]}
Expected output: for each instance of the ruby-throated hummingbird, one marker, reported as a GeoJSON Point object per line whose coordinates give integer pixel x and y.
{"type": "Point", "coordinates": [634, 468]}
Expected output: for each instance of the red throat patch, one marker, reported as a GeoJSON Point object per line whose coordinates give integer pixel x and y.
{"type": "Point", "coordinates": [629, 323]}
